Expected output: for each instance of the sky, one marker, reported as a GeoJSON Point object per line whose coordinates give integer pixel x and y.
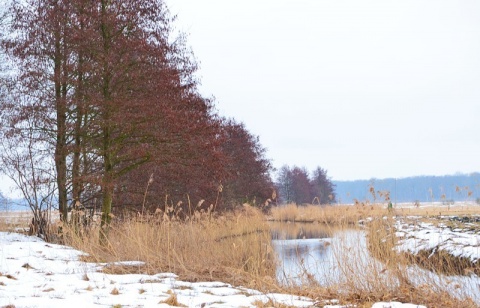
{"type": "Point", "coordinates": [364, 89]}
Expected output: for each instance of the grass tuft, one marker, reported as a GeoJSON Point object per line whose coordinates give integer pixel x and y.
{"type": "Point", "coordinates": [115, 291]}
{"type": "Point", "coordinates": [172, 300]}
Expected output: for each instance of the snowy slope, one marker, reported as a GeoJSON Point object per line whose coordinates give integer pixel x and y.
{"type": "Point", "coordinates": [34, 273]}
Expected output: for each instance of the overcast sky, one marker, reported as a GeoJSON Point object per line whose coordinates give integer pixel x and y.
{"type": "Point", "coordinates": [361, 88]}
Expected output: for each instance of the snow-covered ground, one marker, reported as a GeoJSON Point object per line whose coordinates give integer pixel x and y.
{"type": "Point", "coordinates": [459, 241]}
{"type": "Point", "coordinates": [456, 236]}
{"type": "Point", "coordinates": [34, 273]}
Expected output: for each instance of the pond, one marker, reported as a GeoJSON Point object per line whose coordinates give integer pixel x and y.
{"type": "Point", "coordinates": [311, 253]}
{"type": "Point", "coordinates": [329, 257]}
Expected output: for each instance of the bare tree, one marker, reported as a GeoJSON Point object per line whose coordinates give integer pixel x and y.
{"type": "Point", "coordinates": [27, 163]}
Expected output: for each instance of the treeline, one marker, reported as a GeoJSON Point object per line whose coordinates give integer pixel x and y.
{"type": "Point", "coordinates": [100, 107]}
{"type": "Point", "coordinates": [297, 185]}
{"type": "Point", "coordinates": [448, 188]}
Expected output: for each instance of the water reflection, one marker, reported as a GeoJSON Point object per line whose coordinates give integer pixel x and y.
{"type": "Point", "coordinates": [294, 231]}
{"type": "Point", "coordinates": [303, 251]}
{"type": "Point", "coordinates": [309, 253]}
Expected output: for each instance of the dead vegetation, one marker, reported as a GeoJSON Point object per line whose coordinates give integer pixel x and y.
{"type": "Point", "coordinates": [236, 248]}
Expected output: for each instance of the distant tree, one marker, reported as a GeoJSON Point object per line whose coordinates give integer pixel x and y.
{"type": "Point", "coordinates": [284, 184]}
{"type": "Point", "coordinates": [301, 186]}
{"type": "Point", "coordinates": [322, 187]}
{"type": "Point", "coordinates": [295, 185]}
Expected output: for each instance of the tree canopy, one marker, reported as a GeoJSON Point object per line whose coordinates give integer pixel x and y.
{"type": "Point", "coordinates": [104, 95]}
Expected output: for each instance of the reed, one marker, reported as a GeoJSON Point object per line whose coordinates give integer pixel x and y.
{"type": "Point", "coordinates": [234, 248]}
{"type": "Point", "coordinates": [331, 215]}
{"type": "Point", "coordinates": [367, 268]}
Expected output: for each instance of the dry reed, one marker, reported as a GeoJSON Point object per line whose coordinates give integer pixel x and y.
{"type": "Point", "coordinates": [331, 215]}
{"type": "Point", "coordinates": [367, 268]}
{"type": "Point", "coordinates": [234, 248]}
{"type": "Point", "coordinates": [237, 248]}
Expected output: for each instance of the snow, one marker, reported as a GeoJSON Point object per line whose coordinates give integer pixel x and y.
{"type": "Point", "coordinates": [34, 273]}
{"type": "Point", "coordinates": [396, 305]}
{"type": "Point", "coordinates": [421, 236]}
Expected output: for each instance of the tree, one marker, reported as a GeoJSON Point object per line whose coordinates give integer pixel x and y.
{"type": "Point", "coordinates": [301, 186]}
{"type": "Point", "coordinates": [115, 101]}
{"type": "Point", "coordinates": [285, 184]}
{"type": "Point", "coordinates": [248, 178]}
{"type": "Point", "coordinates": [187, 165]}
{"type": "Point", "coordinates": [36, 44]}
{"type": "Point", "coordinates": [104, 83]}
{"type": "Point", "coordinates": [322, 187]}
{"type": "Point", "coordinates": [27, 163]}
{"type": "Point", "coordinates": [295, 185]}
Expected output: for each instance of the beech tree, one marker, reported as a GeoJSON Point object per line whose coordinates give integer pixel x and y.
{"type": "Point", "coordinates": [219, 164]}
{"type": "Point", "coordinates": [186, 167]}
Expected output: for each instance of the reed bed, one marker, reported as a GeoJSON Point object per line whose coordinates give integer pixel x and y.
{"type": "Point", "coordinates": [234, 248]}
{"type": "Point", "coordinates": [237, 248]}
{"type": "Point", "coordinates": [352, 214]}
{"type": "Point", "coordinates": [331, 215]}
{"type": "Point", "coordinates": [438, 210]}
{"type": "Point", "coordinates": [366, 268]}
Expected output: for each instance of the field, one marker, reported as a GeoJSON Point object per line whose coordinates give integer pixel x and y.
{"type": "Point", "coordinates": [236, 248]}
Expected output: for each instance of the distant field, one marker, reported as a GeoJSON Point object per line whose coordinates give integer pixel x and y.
{"type": "Point", "coordinates": [14, 220]}
{"type": "Point", "coordinates": [19, 220]}
{"type": "Point", "coordinates": [437, 208]}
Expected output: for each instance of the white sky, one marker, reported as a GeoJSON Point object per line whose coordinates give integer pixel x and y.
{"type": "Point", "coordinates": [361, 88]}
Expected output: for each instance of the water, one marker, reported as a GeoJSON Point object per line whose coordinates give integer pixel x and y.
{"type": "Point", "coordinates": [315, 254]}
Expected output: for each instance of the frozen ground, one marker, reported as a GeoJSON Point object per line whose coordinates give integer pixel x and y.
{"type": "Point", "coordinates": [34, 273]}
{"type": "Point", "coordinates": [458, 239]}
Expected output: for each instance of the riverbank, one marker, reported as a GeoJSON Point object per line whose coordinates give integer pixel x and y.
{"type": "Point", "coordinates": [237, 250]}
{"type": "Point", "coordinates": [39, 274]}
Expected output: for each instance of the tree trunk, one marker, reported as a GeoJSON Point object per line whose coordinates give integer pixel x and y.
{"type": "Point", "coordinates": [61, 118]}
{"type": "Point", "coordinates": [107, 178]}
{"type": "Point", "coordinates": [107, 187]}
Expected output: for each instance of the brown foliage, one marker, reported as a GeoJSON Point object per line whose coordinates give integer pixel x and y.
{"type": "Point", "coordinates": [115, 99]}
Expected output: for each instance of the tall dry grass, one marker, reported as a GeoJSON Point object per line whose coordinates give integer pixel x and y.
{"type": "Point", "coordinates": [366, 266]}
{"type": "Point", "coordinates": [234, 248]}
{"type": "Point", "coordinates": [331, 215]}
{"type": "Point", "coordinates": [412, 282]}
{"type": "Point", "coordinates": [237, 248]}
{"type": "Point", "coordinates": [438, 210]}
{"type": "Point", "coordinates": [351, 214]}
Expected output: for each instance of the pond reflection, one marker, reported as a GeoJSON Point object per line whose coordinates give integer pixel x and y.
{"type": "Point", "coordinates": [294, 231]}
{"type": "Point", "coordinates": [315, 254]}
{"type": "Point", "coordinates": [303, 250]}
